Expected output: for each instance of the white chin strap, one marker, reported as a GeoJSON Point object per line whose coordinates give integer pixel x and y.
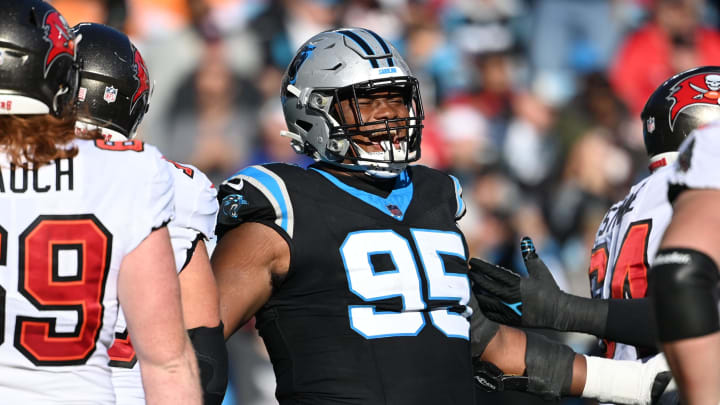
{"type": "Point", "coordinates": [109, 134]}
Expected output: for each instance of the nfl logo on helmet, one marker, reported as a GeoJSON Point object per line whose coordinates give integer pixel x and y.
{"type": "Point", "coordinates": [110, 94]}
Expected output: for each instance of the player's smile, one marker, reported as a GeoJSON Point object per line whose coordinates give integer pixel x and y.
{"type": "Point", "coordinates": [383, 109]}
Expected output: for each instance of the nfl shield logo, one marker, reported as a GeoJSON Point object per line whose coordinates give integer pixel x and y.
{"type": "Point", "coordinates": [394, 210]}
{"type": "Point", "coordinates": [110, 94]}
{"type": "Point", "coordinates": [650, 124]}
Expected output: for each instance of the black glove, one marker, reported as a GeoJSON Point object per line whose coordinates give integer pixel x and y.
{"type": "Point", "coordinates": [534, 301]}
{"type": "Point", "coordinates": [489, 378]}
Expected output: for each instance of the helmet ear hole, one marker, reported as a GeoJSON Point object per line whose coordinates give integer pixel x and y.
{"type": "Point", "coordinates": [304, 125]}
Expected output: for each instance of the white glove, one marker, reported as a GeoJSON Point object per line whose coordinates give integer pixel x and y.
{"type": "Point", "coordinates": [626, 382]}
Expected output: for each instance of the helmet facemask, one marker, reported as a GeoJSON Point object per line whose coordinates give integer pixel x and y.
{"type": "Point", "coordinates": [384, 146]}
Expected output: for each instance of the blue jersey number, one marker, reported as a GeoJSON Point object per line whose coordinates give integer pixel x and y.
{"type": "Point", "coordinates": [404, 282]}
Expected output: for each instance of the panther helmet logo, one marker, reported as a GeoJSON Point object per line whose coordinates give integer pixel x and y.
{"type": "Point", "coordinates": [697, 89]}
{"type": "Point", "coordinates": [57, 34]}
{"type": "Point", "coordinates": [300, 58]}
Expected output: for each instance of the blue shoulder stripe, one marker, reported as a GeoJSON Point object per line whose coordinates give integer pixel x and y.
{"type": "Point", "coordinates": [274, 189]}
{"type": "Point", "coordinates": [458, 197]}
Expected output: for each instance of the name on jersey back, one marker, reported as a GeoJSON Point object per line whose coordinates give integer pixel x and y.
{"type": "Point", "coordinates": [58, 176]}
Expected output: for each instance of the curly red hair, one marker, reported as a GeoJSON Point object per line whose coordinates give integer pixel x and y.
{"type": "Point", "coordinates": [36, 140]}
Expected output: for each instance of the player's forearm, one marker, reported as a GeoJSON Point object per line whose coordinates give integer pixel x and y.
{"type": "Point", "coordinates": [631, 322]}
{"type": "Point", "coordinates": [507, 350]}
{"type": "Point", "coordinates": [694, 364]}
{"type": "Point", "coordinates": [552, 370]}
{"type": "Point", "coordinates": [626, 321]}
{"type": "Point", "coordinates": [174, 381]}
{"type": "Point", "coordinates": [546, 365]}
{"type": "Point", "coordinates": [579, 374]}
{"type": "Point", "coordinates": [209, 345]}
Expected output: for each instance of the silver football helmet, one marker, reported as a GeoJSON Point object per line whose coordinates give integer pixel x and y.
{"type": "Point", "coordinates": [330, 72]}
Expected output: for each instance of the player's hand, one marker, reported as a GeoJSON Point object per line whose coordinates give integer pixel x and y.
{"type": "Point", "coordinates": [505, 297]}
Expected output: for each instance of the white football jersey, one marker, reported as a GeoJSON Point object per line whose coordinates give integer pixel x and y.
{"type": "Point", "coordinates": [697, 165]}
{"type": "Point", "coordinates": [64, 230]}
{"type": "Point", "coordinates": [195, 215]}
{"type": "Point", "coordinates": [626, 243]}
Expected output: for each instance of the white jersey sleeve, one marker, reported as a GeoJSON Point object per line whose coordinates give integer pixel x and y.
{"type": "Point", "coordinates": [65, 229]}
{"type": "Point", "coordinates": [155, 204]}
{"type": "Point", "coordinates": [195, 215]}
{"type": "Point", "coordinates": [196, 211]}
{"type": "Point", "coordinates": [697, 165]}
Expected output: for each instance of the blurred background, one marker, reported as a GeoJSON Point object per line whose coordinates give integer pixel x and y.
{"type": "Point", "coordinates": [533, 104]}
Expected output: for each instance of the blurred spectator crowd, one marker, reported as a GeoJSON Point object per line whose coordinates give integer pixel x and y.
{"type": "Point", "coordinates": [533, 104]}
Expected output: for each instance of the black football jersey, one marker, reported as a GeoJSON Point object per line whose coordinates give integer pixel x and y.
{"type": "Point", "coordinates": [373, 308]}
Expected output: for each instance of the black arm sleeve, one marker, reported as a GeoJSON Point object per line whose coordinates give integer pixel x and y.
{"type": "Point", "coordinates": [631, 322]}
{"type": "Point", "coordinates": [627, 321]}
{"type": "Point", "coordinates": [212, 356]}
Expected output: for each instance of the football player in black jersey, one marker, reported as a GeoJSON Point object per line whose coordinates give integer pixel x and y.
{"type": "Point", "coordinates": [355, 268]}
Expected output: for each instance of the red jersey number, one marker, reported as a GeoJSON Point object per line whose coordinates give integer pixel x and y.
{"type": "Point", "coordinates": [133, 145]}
{"type": "Point", "coordinates": [185, 169]}
{"type": "Point", "coordinates": [629, 279]}
{"type": "Point", "coordinates": [40, 281]}
{"type": "Point", "coordinates": [122, 353]}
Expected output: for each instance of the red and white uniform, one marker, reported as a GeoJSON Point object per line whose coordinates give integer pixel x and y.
{"type": "Point", "coordinates": [625, 246]}
{"type": "Point", "coordinates": [698, 166]}
{"type": "Point", "coordinates": [64, 230]}
{"type": "Point", "coordinates": [195, 215]}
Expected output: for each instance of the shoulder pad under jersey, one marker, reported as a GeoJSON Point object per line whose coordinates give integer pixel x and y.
{"type": "Point", "coordinates": [255, 194]}
{"type": "Point", "coordinates": [697, 165]}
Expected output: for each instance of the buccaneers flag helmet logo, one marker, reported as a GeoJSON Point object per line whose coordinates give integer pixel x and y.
{"type": "Point", "coordinates": [141, 75]}
{"type": "Point", "coordinates": [57, 33]}
{"type": "Point", "coordinates": [697, 89]}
